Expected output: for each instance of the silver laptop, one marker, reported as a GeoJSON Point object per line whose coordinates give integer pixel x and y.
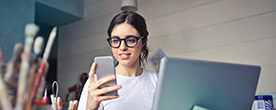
{"type": "Point", "coordinates": [184, 83]}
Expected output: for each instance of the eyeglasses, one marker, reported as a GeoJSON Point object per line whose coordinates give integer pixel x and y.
{"type": "Point", "coordinates": [130, 41]}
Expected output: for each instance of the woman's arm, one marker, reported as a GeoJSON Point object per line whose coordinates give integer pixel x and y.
{"type": "Point", "coordinates": [83, 97]}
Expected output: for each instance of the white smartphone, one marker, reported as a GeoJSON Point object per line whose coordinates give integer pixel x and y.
{"type": "Point", "coordinates": [105, 67]}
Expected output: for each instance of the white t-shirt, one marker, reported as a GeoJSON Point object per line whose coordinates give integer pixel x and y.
{"type": "Point", "coordinates": [136, 93]}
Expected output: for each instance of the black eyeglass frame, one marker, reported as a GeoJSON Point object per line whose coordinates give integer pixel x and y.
{"type": "Point", "coordinates": [120, 40]}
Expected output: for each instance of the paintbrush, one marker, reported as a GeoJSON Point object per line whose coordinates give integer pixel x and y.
{"type": "Point", "coordinates": [3, 90]}
{"type": "Point", "coordinates": [30, 32]}
{"type": "Point", "coordinates": [38, 44]}
{"type": "Point", "coordinates": [44, 62]}
{"type": "Point", "coordinates": [17, 50]}
{"type": "Point", "coordinates": [37, 50]}
{"type": "Point", "coordinates": [12, 73]}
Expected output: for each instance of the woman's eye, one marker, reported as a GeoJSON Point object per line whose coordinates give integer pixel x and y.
{"type": "Point", "coordinates": [115, 41]}
{"type": "Point", "coordinates": [131, 40]}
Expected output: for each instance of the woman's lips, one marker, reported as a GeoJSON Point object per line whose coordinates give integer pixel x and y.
{"type": "Point", "coordinates": [124, 55]}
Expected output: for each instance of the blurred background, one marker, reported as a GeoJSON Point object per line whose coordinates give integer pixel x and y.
{"type": "Point", "coordinates": [236, 31]}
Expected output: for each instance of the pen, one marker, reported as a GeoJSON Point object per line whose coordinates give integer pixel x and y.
{"type": "Point", "coordinates": [70, 104]}
{"type": "Point", "coordinates": [59, 102]}
{"type": "Point", "coordinates": [45, 98]}
{"type": "Point", "coordinates": [75, 105]}
{"type": "Point", "coordinates": [53, 102]}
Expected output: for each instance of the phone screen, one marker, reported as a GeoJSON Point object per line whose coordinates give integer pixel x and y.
{"type": "Point", "coordinates": [105, 67]}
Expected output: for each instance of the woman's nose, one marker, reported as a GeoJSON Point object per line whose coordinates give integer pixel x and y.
{"type": "Point", "coordinates": [123, 46]}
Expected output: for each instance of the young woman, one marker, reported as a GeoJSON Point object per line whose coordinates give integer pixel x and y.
{"type": "Point", "coordinates": [128, 37]}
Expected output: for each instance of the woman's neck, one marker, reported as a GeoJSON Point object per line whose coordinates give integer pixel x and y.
{"type": "Point", "coordinates": [130, 71]}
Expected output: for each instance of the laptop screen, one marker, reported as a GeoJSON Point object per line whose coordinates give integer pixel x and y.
{"type": "Point", "coordinates": [184, 83]}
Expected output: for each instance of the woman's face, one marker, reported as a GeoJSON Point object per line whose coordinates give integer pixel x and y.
{"type": "Point", "coordinates": [126, 56]}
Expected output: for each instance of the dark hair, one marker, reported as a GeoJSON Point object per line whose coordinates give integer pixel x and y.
{"type": "Point", "coordinates": [139, 23]}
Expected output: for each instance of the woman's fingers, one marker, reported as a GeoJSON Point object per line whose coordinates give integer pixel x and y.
{"type": "Point", "coordinates": [104, 90]}
{"type": "Point", "coordinates": [102, 98]}
{"type": "Point", "coordinates": [97, 95]}
{"type": "Point", "coordinates": [92, 72]}
{"type": "Point", "coordinates": [102, 81]}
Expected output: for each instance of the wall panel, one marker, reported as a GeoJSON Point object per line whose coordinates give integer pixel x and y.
{"type": "Point", "coordinates": [237, 31]}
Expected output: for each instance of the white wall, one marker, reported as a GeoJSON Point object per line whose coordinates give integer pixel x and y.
{"type": "Point", "coordinates": [238, 31]}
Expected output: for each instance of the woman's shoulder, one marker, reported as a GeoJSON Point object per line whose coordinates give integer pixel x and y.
{"type": "Point", "coordinates": [150, 76]}
{"type": "Point", "coordinates": [150, 73]}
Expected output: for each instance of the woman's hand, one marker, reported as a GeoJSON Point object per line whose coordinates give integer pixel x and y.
{"type": "Point", "coordinates": [95, 94]}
